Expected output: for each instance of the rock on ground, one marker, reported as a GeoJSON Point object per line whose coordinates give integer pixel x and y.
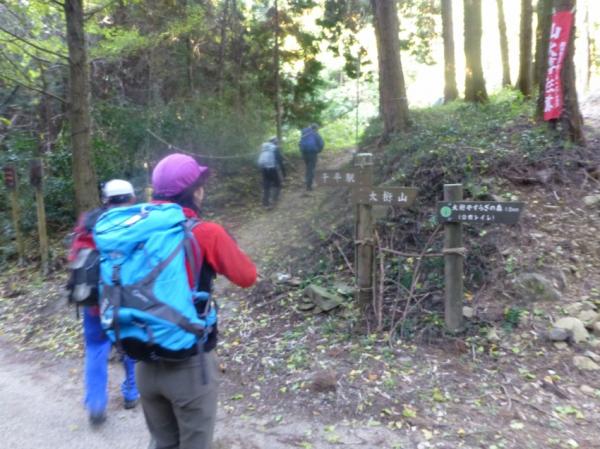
{"type": "Point", "coordinates": [585, 363]}
{"type": "Point", "coordinates": [536, 287]}
{"type": "Point", "coordinates": [574, 325]}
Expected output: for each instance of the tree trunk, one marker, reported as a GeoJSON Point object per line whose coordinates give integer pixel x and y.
{"type": "Point", "coordinates": [84, 175]}
{"type": "Point", "coordinates": [503, 44]}
{"type": "Point", "coordinates": [541, 59]}
{"type": "Point", "coordinates": [544, 17]}
{"type": "Point", "coordinates": [571, 118]}
{"type": "Point", "coordinates": [222, 46]}
{"type": "Point", "coordinates": [237, 50]}
{"type": "Point", "coordinates": [392, 91]}
{"type": "Point", "coordinates": [524, 82]}
{"type": "Point", "coordinates": [450, 89]}
{"type": "Point", "coordinates": [278, 108]}
{"type": "Point", "coordinates": [474, 80]}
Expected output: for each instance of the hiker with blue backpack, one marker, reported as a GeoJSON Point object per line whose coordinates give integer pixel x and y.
{"type": "Point", "coordinates": [83, 291]}
{"type": "Point", "coordinates": [311, 144]}
{"type": "Point", "coordinates": [272, 169]}
{"type": "Point", "coordinates": [159, 261]}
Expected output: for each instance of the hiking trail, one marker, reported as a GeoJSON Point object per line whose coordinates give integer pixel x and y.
{"type": "Point", "coordinates": [42, 403]}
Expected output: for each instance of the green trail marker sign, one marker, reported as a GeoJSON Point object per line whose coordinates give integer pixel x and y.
{"type": "Point", "coordinates": [386, 196]}
{"type": "Point", "coordinates": [479, 212]}
{"type": "Point", "coordinates": [340, 178]}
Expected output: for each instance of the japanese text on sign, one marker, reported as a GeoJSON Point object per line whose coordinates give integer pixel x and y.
{"type": "Point", "coordinates": [482, 212]}
{"type": "Point", "coordinates": [387, 196]}
{"type": "Point", "coordinates": [340, 178]}
{"type": "Point", "coordinates": [557, 46]}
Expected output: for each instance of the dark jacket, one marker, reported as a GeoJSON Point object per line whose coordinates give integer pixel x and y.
{"type": "Point", "coordinates": [311, 141]}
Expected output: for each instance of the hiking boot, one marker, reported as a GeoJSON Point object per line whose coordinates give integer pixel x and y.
{"type": "Point", "coordinates": [129, 404]}
{"type": "Point", "coordinates": [97, 419]}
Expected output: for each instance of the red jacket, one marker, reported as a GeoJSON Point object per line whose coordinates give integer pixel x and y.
{"type": "Point", "coordinates": [222, 253]}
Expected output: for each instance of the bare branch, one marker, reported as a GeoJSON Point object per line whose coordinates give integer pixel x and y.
{"type": "Point", "coordinates": [37, 58]}
{"type": "Point", "coordinates": [35, 89]}
{"type": "Point", "coordinates": [60, 55]}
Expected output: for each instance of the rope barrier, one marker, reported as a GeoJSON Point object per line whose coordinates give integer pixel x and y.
{"type": "Point", "coordinates": [189, 153]}
{"type": "Point", "coordinates": [462, 251]}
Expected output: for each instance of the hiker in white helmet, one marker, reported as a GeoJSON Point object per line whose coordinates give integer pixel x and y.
{"type": "Point", "coordinates": [116, 192]}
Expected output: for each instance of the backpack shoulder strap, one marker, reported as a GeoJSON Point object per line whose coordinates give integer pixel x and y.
{"type": "Point", "coordinates": [193, 253]}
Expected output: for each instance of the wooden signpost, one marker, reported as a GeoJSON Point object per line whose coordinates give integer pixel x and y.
{"type": "Point", "coordinates": [12, 185]}
{"type": "Point", "coordinates": [453, 212]}
{"type": "Point", "coordinates": [365, 196]}
{"type": "Point", "coordinates": [36, 176]}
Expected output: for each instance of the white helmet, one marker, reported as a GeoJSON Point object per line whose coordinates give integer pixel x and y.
{"type": "Point", "coordinates": [117, 187]}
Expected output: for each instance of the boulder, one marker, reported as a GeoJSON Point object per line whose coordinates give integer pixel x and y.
{"type": "Point", "coordinates": [588, 317]}
{"type": "Point", "coordinates": [588, 391]}
{"type": "Point", "coordinates": [559, 334]}
{"type": "Point", "coordinates": [591, 200]}
{"type": "Point", "coordinates": [323, 299]}
{"type": "Point", "coordinates": [536, 287]}
{"type": "Point", "coordinates": [574, 325]}
{"type": "Point", "coordinates": [573, 309]}
{"type": "Point", "coordinates": [596, 327]}
{"type": "Point", "coordinates": [585, 363]}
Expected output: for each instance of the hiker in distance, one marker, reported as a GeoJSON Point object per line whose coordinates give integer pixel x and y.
{"type": "Point", "coordinates": [311, 144]}
{"type": "Point", "coordinates": [116, 192]}
{"type": "Point", "coordinates": [179, 387]}
{"type": "Point", "coordinates": [272, 169]}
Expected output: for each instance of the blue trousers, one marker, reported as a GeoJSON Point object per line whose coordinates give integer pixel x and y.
{"type": "Point", "coordinates": [97, 350]}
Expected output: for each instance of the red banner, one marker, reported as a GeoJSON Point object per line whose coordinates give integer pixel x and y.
{"type": "Point", "coordinates": [559, 38]}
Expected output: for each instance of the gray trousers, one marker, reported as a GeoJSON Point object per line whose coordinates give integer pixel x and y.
{"type": "Point", "coordinates": [180, 401]}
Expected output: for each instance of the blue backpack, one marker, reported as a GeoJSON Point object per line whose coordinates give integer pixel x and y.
{"type": "Point", "coordinates": [310, 141]}
{"type": "Point", "coordinates": [146, 304]}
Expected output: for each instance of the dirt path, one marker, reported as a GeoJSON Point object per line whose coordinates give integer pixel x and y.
{"type": "Point", "coordinates": [41, 407]}
{"type": "Point", "coordinates": [41, 398]}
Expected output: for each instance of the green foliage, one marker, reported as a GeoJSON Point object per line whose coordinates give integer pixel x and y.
{"type": "Point", "coordinates": [512, 316]}
{"type": "Point", "coordinates": [419, 28]}
{"type": "Point", "coordinates": [461, 142]}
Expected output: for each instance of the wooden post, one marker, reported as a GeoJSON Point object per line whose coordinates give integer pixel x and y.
{"type": "Point", "coordinates": [453, 264]}
{"type": "Point", "coordinates": [363, 236]}
{"type": "Point", "coordinates": [36, 174]}
{"type": "Point", "coordinates": [11, 183]}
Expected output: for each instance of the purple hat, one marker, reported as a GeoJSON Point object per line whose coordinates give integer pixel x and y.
{"type": "Point", "coordinates": [175, 173]}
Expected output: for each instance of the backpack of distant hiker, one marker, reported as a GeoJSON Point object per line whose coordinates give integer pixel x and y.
{"type": "Point", "coordinates": [147, 306]}
{"type": "Point", "coordinates": [266, 159]}
{"type": "Point", "coordinates": [84, 264]}
{"type": "Point", "coordinates": [310, 141]}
